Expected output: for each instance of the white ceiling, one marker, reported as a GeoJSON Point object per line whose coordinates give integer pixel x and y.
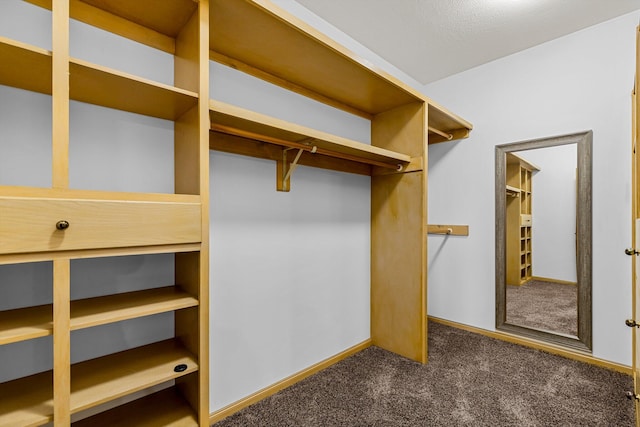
{"type": "Point", "coordinates": [432, 39]}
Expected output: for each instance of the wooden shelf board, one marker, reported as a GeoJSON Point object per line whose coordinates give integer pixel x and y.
{"type": "Point", "coordinates": [150, 22]}
{"type": "Point", "coordinates": [98, 253]}
{"type": "Point", "coordinates": [110, 88]}
{"type": "Point", "coordinates": [33, 322]}
{"type": "Point", "coordinates": [24, 66]}
{"type": "Point", "coordinates": [100, 380]}
{"type": "Point", "coordinates": [65, 193]}
{"type": "Point", "coordinates": [268, 40]}
{"type": "Point", "coordinates": [27, 401]}
{"type": "Point", "coordinates": [165, 17]}
{"type": "Point", "coordinates": [240, 118]}
{"type": "Point", "coordinates": [165, 408]}
{"type": "Point", "coordinates": [114, 308]}
{"type": "Point", "coordinates": [445, 121]}
{"type": "Point", "coordinates": [25, 323]}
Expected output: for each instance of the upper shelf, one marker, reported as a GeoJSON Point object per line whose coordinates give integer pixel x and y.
{"type": "Point", "coordinates": [24, 66]}
{"type": "Point", "coordinates": [151, 22]}
{"type": "Point", "coordinates": [445, 126]}
{"type": "Point", "coordinates": [237, 121]}
{"type": "Point", "coordinates": [257, 37]}
{"type": "Point", "coordinates": [30, 69]}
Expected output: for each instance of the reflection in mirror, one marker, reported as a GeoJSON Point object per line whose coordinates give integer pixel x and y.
{"type": "Point", "coordinates": [543, 239]}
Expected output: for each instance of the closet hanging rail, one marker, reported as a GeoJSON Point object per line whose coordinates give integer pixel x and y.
{"type": "Point", "coordinates": [441, 133]}
{"type": "Point", "coordinates": [308, 146]}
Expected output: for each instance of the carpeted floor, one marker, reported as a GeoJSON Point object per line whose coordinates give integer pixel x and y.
{"type": "Point", "coordinates": [544, 305]}
{"type": "Point", "coordinates": [470, 380]}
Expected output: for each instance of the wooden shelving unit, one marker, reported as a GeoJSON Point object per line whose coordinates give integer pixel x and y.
{"type": "Point", "coordinates": [29, 400]}
{"type": "Point", "coordinates": [253, 36]}
{"type": "Point", "coordinates": [519, 225]}
{"type": "Point", "coordinates": [257, 37]}
{"type": "Point", "coordinates": [60, 224]}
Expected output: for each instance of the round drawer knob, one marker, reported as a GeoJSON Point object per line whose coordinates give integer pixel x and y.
{"type": "Point", "coordinates": [62, 225]}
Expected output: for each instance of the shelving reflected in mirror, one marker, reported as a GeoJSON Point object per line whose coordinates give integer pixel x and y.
{"type": "Point", "coordinates": [543, 239]}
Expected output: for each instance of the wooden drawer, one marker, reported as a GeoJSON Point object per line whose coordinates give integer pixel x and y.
{"type": "Point", "coordinates": [525, 220]}
{"type": "Point", "coordinates": [29, 224]}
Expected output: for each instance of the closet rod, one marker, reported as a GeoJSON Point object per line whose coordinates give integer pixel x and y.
{"type": "Point", "coordinates": [441, 133]}
{"type": "Point", "coordinates": [272, 140]}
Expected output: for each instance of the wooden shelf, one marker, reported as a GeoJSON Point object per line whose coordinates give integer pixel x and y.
{"type": "Point", "coordinates": [100, 380]}
{"type": "Point", "coordinates": [275, 131]}
{"type": "Point", "coordinates": [114, 308]}
{"type": "Point", "coordinates": [165, 408]}
{"type": "Point", "coordinates": [259, 38]}
{"type": "Point", "coordinates": [33, 322]}
{"type": "Point", "coordinates": [150, 22]}
{"type": "Point", "coordinates": [512, 191]}
{"type": "Point", "coordinates": [106, 87]}
{"type": "Point", "coordinates": [446, 122]}
{"type": "Point", "coordinates": [28, 401]}
{"type": "Point", "coordinates": [25, 324]}
{"type": "Point", "coordinates": [24, 66]}
{"type": "Point", "coordinates": [30, 69]}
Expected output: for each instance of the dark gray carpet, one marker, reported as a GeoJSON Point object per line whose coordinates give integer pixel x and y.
{"type": "Point", "coordinates": [470, 380]}
{"type": "Point", "coordinates": [544, 305]}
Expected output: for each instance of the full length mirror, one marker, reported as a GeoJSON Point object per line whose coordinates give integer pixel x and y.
{"type": "Point", "coordinates": [543, 239]}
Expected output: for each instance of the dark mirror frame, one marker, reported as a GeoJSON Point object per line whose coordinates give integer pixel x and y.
{"type": "Point", "coordinates": [584, 141]}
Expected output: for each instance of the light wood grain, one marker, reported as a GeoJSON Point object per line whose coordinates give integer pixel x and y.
{"type": "Point", "coordinates": [24, 66]}
{"type": "Point", "coordinates": [248, 147]}
{"type": "Point", "coordinates": [33, 322]}
{"type": "Point", "coordinates": [108, 21]}
{"type": "Point", "coordinates": [99, 85]}
{"type": "Point", "coordinates": [162, 409]}
{"type": "Point", "coordinates": [66, 193]}
{"type": "Point", "coordinates": [97, 253]}
{"type": "Point", "coordinates": [60, 94]}
{"type": "Point", "coordinates": [454, 230]}
{"type": "Point", "coordinates": [276, 129]}
{"type": "Point", "coordinates": [25, 323]}
{"type": "Point", "coordinates": [27, 401]}
{"type": "Point", "coordinates": [399, 237]}
{"type": "Point", "coordinates": [61, 342]}
{"type": "Point", "coordinates": [448, 123]}
{"type": "Point", "coordinates": [114, 308]}
{"type": "Point", "coordinates": [99, 380]}
{"type": "Point", "coordinates": [266, 38]}
{"type": "Point", "coordinates": [29, 224]}
{"type": "Point", "coordinates": [402, 130]}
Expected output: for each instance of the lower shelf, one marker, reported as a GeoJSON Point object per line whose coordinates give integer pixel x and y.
{"type": "Point", "coordinates": [164, 408]}
{"type": "Point", "coordinates": [29, 401]}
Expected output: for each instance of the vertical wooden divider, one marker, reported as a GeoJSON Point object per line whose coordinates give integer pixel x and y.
{"type": "Point", "coordinates": [60, 94]}
{"type": "Point", "coordinates": [60, 180]}
{"type": "Point", "coordinates": [191, 170]}
{"type": "Point", "coordinates": [399, 237]}
{"type": "Point", "coordinates": [61, 343]}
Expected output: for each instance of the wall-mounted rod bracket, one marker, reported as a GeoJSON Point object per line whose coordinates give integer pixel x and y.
{"type": "Point", "coordinates": [455, 230]}
{"type": "Point", "coordinates": [284, 168]}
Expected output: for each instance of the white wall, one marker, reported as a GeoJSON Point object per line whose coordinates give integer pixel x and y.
{"type": "Point", "coordinates": [554, 211]}
{"type": "Point", "coordinates": [290, 272]}
{"type": "Point", "coordinates": [578, 82]}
